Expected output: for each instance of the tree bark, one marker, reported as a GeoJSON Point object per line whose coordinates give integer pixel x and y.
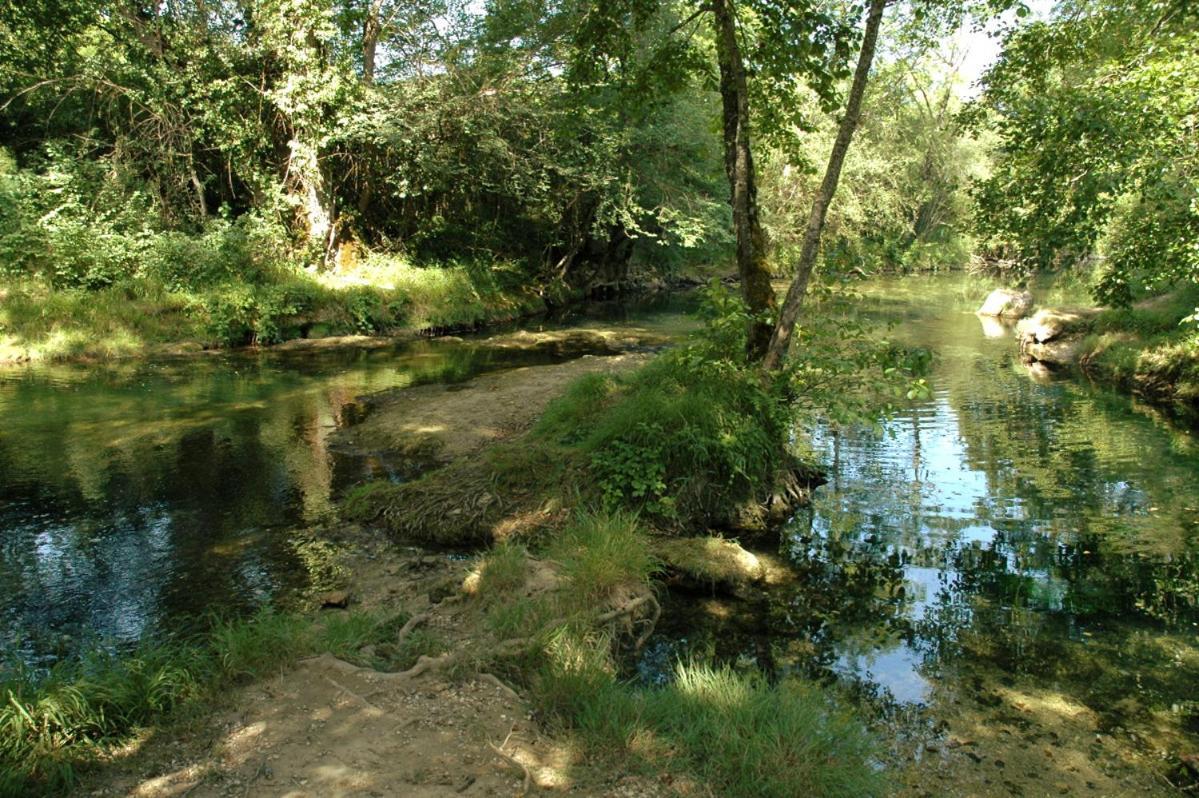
{"type": "Point", "coordinates": [739, 166]}
{"type": "Point", "coordinates": [780, 341]}
{"type": "Point", "coordinates": [371, 28]}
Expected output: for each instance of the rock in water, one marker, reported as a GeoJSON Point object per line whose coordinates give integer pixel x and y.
{"type": "Point", "coordinates": [1006, 303]}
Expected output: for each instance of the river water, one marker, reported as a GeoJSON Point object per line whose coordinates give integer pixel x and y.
{"type": "Point", "coordinates": [1010, 563]}
{"type": "Point", "coordinates": [137, 495]}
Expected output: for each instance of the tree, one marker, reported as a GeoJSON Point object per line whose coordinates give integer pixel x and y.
{"type": "Point", "coordinates": [1095, 114]}
{"type": "Point", "coordinates": [752, 265]}
{"type": "Point", "coordinates": [780, 339]}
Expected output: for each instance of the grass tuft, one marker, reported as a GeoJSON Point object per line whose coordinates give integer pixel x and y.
{"type": "Point", "coordinates": [53, 723]}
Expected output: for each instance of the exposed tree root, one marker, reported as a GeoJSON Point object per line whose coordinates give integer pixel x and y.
{"type": "Point", "coordinates": [492, 679]}
{"type": "Point", "coordinates": [499, 750]}
{"type": "Point", "coordinates": [412, 623]}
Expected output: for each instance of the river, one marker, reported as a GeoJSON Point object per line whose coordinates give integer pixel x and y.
{"type": "Point", "coordinates": [1008, 564]}
{"type": "Point", "coordinates": [135, 496]}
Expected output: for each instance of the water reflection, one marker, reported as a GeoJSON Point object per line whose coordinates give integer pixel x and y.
{"type": "Point", "coordinates": [137, 493]}
{"type": "Point", "coordinates": [1002, 535]}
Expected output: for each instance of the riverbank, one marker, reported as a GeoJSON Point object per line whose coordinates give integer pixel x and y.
{"type": "Point", "coordinates": [1143, 349]}
{"type": "Point", "coordinates": [147, 317]}
{"type": "Point", "coordinates": [372, 300]}
{"type": "Point", "coordinates": [552, 609]}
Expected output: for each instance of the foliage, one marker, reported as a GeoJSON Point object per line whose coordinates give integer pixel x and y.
{"type": "Point", "coordinates": [902, 203]}
{"type": "Point", "coordinates": [1094, 110]}
{"type": "Point", "coordinates": [686, 438]}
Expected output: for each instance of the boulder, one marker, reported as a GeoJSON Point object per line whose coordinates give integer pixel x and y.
{"type": "Point", "coordinates": [1055, 336]}
{"type": "Point", "coordinates": [336, 599]}
{"type": "Point", "coordinates": [1006, 303]}
{"type": "Point", "coordinates": [1051, 324]}
{"type": "Point", "coordinates": [1062, 352]}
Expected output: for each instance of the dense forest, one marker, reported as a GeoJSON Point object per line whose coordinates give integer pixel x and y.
{"type": "Point", "coordinates": [251, 170]}
{"type": "Point", "coordinates": [243, 172]}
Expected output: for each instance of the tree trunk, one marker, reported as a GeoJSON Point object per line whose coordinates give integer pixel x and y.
{"type": "Point", "coordinates": [739, 166]}
{"type": "Point", "coordinates": [371, 28]}
{"type": "Point", "coordinates": [780, 341]}
{"type": "Point", "coordinates": [310, 187]}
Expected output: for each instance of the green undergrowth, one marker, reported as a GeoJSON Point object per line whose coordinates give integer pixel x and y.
{"type": "Point", "coordinates": [1151, 348]}
{"type": "Point", "coordinates": [729, 732]}
{"type": "Point", "coordinates": [157, 311]}
{"type": "Point", "coordinates": [54, 723]}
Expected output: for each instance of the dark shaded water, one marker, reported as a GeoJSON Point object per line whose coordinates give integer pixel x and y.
{"type": "Point", "coordinates": [137, 494]}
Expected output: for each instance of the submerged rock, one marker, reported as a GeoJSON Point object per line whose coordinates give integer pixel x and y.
{"type": "Point", "coordinates": [1006, 303]}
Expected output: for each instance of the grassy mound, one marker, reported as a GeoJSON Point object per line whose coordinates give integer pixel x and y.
{"type": "Point", "coordinates": [686, 443]}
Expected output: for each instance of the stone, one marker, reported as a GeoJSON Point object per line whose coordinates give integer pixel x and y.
{"type": "Point", "coordinates": [336, 599]}
{"type": "Point", "coordinates": [1003, 302]}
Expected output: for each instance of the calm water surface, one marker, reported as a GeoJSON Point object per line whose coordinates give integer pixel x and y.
{"type": "Point", "coordinates": [137, 494]}
{"type": "Point", "coordinates": [1013, 540]}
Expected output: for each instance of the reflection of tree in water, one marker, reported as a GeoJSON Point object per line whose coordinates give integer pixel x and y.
{"type": "Point", "coordinates": [1011, 527]}
{"type": "Point", "coordinates": [149, 492]}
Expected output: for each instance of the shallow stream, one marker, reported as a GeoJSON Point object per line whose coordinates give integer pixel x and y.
{"type": "Point", "coordinates": [137, 494]}
{"type": "Point", "coordinates": [1009, 567]}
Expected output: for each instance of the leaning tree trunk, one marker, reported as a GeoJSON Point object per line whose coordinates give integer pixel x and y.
{"type": "Point", "coordinates": [781, 339]}
{"type": "Point", "coordinates": [739, 166]}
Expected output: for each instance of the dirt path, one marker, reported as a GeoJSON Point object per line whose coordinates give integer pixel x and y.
{"type": "Point", "coordinates": [327, 728]}
{"type": "Point", "coordinates": [445, 422]}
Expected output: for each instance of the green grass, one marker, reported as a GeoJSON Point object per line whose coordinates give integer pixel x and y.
{"type": "Point", "coordinates": [601, 552]}
{"type": "Point", "coordinates": [679, 443]}
{"type": "Point", "coordinates": [734, 733]}
{"type": "Point", "coordinates": [1145, 348]}
{"type": "Point", "coordinates": [151, 313]}
{"type": "Point", "coordinates": [52, 724]}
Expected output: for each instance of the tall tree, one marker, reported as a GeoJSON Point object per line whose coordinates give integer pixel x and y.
{"type": "Point", "coordinates": [752, 265]}
{"type": "Point", "coordinates": [1095, 111]}
{"type": "Point", "coordinates": [780, 340]}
